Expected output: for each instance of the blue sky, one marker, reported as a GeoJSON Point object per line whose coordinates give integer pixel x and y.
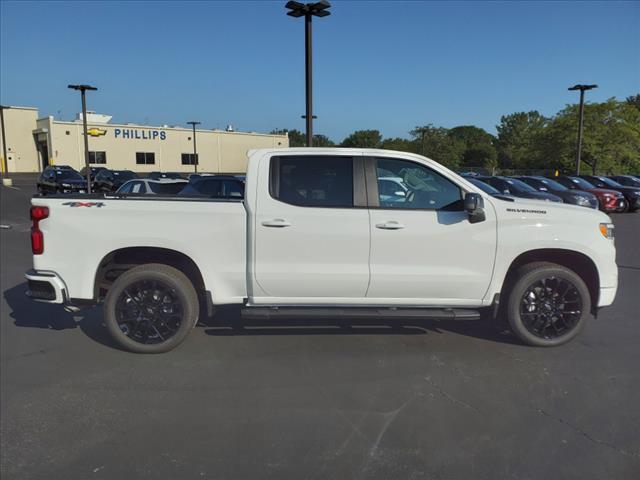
{"type": "Point", "coordinates": [384, 65]}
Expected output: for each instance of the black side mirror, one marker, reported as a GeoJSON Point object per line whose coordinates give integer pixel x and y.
{"type": "Point", "coordinates": [474, 206]}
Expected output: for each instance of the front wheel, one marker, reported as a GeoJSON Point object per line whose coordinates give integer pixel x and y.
{"type": "Point", "coordinates": [548, 305]}
{"type": "Point", "coordinates": [151, 308]}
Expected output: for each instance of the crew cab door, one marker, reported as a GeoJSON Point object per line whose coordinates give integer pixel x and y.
{"type": "Point", "coordinates": [311, 230]}
{"type": "Point", "coordinates": [423, 246]}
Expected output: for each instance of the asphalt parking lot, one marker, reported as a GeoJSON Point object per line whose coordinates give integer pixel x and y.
{"type": "Point", "coordinates": [432, 400]}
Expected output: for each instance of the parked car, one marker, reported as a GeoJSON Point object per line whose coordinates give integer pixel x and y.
{"type": "Point", "coordinates": [93, 171]}
{"type": "Point", "coordinates": [313, 237]}
{"type": "Point", "coordinates": [215, 186]}
{"type": "Point", "coordinates": [60, 180]}
{"type": "Point", "coordinates": [608, 200]}
{"type": "Point", "coordinates": [158, 175]}
{"type": "Point", "coordinates": [631, 194]}
{"type": "Point", "coordinates": [574, 197]}
{"type": "Point", "coordinates": [111, 180]}
{"type": "Point", "coordinates": [485, 187]}
{"type": "Point", "coordinates": [146, 186]}
{"type": "Point", "coordinates": [517, 188]}
{"type": "Point", "coordinates": [626, 180]}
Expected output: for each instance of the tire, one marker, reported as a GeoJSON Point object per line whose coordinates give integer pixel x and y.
{"type": "Point", "coordinates": [559, 318]}
{"type": "Point", "coordinates": [156, 312]}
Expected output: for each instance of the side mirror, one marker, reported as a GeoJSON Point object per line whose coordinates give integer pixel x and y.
{"type": "Point", "coordinates": [474, 206]}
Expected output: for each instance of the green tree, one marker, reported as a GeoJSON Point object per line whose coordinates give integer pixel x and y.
{"type": "Point", "coordinates": [480, 150]}
{"type": "Point", "coordinates": [634, 100]}
{"type": "Point", "coordinates": [363, 139]}
{"type": "Point", "coordinates": [322, 141]}
{"type": "Point", "coordinates": [610, 144]}
{"type": "Point", "coordinates": [400, 145]}
{"type": "Point", "coordinates": [517, 134]}
{"type": "Point", "coordinates": [437, 144]}
{"type": "Point", "coordinates": [296, 137]}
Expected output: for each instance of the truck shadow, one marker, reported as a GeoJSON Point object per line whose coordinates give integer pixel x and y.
{"type": "Point", "coordinates": [30, 314]}
{"type": "Point", "coordinates": [228, 322]}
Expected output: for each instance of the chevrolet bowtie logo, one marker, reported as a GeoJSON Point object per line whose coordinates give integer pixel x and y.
{"type": "Point", "coordinates": [96, 132]}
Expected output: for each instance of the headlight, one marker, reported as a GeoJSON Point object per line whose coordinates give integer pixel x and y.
{"type": "Point", "coordinates": [606, 229]}
{"type": "Point", "coordinates": [581, 200]}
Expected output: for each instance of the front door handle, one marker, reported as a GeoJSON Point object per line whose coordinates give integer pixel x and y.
{"type": "Point", "coordinates": [276, 223]}
{"type": "Point", "coordinates": [391, 225]}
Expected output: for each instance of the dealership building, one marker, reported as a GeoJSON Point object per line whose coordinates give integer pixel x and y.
{"type": "Point", "coordinates": [33, 143]}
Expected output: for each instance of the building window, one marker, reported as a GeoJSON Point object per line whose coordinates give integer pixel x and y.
{"type": "Point", "coordinates": [98, 157]}
{"type": "Point", "coordinates": [189, 159]}
{"type": "Point", "coordinates": [145, 158]}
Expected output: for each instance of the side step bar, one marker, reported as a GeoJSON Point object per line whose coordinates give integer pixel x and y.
{"type": "Point", "coordinates": [268, 313]}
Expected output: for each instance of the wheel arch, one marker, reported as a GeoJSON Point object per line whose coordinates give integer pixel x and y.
{"type": "Point", "coordinates": [575, 261]}
{"type": "Point", "coordinates": [118, 261]}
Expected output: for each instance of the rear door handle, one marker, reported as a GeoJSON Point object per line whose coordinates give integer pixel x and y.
{"type": "Point", "coordinates": [276, 223]}
{"type": "Point", "coordinates": [391, 225]}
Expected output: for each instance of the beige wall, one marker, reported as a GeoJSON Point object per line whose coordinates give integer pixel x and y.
{"type": "Point", "coordinates": [22, 155]}
{"type": "Point", "coordinates": [219, 151]}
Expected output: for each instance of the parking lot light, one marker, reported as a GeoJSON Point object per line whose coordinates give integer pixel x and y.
{"type": "Point", "coordinates": [308, 10]}
{"type": "Point", "coordinates": [83, 89]}
{"type": "Point", "coordinates": [582, 89]}
{"type": "Point", "coordinates": [195, 149]}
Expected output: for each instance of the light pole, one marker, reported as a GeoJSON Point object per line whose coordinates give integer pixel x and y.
{"type": "Point", "coordinates": [582, 89]}
{"type": "Point", "coordinates": [83, 89]}
{"type": "Point", "coordinates": [4, 141]}
{"type": "Point", "coordinates": [308, 10]}
{"type": "Point", "coordinates": [195, 149]}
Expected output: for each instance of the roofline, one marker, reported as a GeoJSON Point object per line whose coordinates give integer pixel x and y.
{"type": "Point", "coordinates": [17, 107]}
{"type": "Point", "coordinates": [155, 127]}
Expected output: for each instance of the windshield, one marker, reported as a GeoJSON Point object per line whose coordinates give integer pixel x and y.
{"type": "Point", "coordinates": [485, 187]}
{"type": "Point", "coordinates": [519, 185]}
{"type": "Point", "coordinates": [582, 183]}
{"type": "Point", "coordinates": [552, 184]}
{"type": "Point", "coordinates": [629, 181]}
{"type": "Point", "coordinates": [68, 175]}
{"type": "Point", "coordinates": [609, 182]}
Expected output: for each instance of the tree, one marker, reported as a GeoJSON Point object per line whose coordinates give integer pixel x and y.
{"type": "Point", "coordinates": [634, 100]}
{"type": "Point", "coordinates": [363, 139]}
{"type": "Point", "coordinates": [480, 150]}
{"type": "Point", "coordinates": [436, 143]}
{"type": "Point", "coordinates": [322, 141]}
{"type": "Point", "coordinates": [611, 139]}
{"type": "Point", "coordinates": [296, 137]}
{"type": "Point", "coordinates": [400, 145]}
{"type": "Point", "coordinates": [517, 134]}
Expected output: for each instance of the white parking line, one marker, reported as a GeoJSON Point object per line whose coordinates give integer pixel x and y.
{"type": "Point", "coordinates": [11, 186]}
{"type": "Point", "coordinates": [5, 227]}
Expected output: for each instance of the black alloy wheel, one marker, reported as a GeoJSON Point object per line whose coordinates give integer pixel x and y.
{"type": "Point", "coordinates": [151, 308]}
{"type": "Point", "coordinates": [551, 307]}
{"type": "Point", "coordinates": [149, 311]}
{"type": "Point", "coordinates": [546, 304]}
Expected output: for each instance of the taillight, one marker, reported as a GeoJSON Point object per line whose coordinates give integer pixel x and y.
{"type": "Point", "coordinates": [37, 238]}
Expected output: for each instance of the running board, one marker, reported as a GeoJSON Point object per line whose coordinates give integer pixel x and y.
{"type": "Point", "coordinates": [267, 313]}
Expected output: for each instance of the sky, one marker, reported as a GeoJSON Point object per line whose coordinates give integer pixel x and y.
{"type": "Point", "coordinates": [386, 65]}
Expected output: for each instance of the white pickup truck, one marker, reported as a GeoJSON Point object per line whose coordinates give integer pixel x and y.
{"type": "Point", "coordinates": [323, 232]}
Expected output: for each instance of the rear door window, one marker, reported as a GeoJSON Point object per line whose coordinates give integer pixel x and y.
{"type": "Point", "coordinates": [309, 181]}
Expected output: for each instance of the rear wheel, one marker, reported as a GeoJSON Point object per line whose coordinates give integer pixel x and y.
{"type": "Point", "coordinates": [548, 305]}
{"type": "Point", "coordinates": [151, 308]}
